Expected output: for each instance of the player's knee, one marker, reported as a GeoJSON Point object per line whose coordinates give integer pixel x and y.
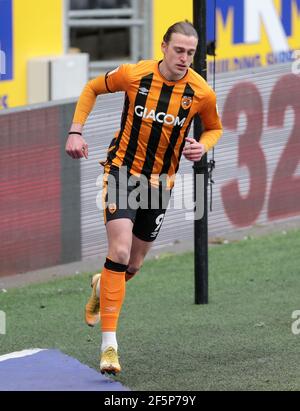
{"type": "Point", "coordinates": [120, 255]}
{"type": "Point", "coordinates": [135, 263]}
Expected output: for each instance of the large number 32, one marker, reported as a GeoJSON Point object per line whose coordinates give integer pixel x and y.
{"type": "Point", "coordinates": [284, 199]}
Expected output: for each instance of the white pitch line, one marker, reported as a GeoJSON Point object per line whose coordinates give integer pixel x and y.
{"type": "Point", "coordinates": [20, 354]}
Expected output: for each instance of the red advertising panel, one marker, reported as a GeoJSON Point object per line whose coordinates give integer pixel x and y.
{"type": "Point", "coordinates": [30, 190]}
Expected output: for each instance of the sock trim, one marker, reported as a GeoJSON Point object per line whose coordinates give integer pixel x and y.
{"type": "Point", "coordinates": [117, 267]}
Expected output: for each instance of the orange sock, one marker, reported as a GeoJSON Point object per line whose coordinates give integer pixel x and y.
{"type": "Point", "coordinates": [112, 294]}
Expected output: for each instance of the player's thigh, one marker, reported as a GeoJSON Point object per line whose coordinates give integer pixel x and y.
{"type": "Point", "coordinates": [119, 235]}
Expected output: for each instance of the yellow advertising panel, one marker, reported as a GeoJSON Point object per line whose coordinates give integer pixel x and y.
{"type": "Point", "coordinates": [31, 28]}
{"type": "Point", "coordinates": [249, 33]}
{"type": "Point", "coordinates": [165, 13]}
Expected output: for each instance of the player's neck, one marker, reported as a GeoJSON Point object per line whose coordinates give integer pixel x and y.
{"type": "Point", "coordinates": [167, 74]}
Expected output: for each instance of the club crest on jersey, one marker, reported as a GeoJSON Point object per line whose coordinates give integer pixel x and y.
{"type": "Point", "coordinates": [186, 102]}
{"type": "Point", "coordinates": [112, 208]}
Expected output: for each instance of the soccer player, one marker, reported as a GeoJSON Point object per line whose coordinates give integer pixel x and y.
{"type": "Point", "coordinates": [161, 100]}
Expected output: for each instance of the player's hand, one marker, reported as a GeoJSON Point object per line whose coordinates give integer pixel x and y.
{"type": "Point", "coordinates": [76, 146]}
{"type": "Point", "coordinates": [194, 150]}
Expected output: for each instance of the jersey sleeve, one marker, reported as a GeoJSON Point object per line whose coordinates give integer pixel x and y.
{"type": "Point", "coordinates": [118, 79]}
{"type": "Point", "coordinates": [115, 80]}
{"type": "Point", "coordinates": [211, 122]}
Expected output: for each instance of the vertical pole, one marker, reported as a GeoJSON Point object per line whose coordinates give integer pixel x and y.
{"type": "Point", "coordinates": [200, 167]}
{"type": "Point", "coordinates": [134, 33]}
{"type": "Point", "coordinates": [66, 28]}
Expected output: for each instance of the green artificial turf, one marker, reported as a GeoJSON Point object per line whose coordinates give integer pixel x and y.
{"type": "Point", "coordinates": [241, 340]}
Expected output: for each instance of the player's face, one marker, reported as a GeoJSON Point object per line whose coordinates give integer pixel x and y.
{"type": "Point", "coordinates": [178, 55]}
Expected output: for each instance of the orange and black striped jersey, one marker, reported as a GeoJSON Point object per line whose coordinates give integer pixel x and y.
{"type": "Point", "coordinates": [156, 118]}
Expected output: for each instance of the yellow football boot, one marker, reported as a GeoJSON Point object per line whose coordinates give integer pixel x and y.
{"type": "Point", "coordinates": [92, 308]}
{"type": "Point", "coordinates": [109, 361]}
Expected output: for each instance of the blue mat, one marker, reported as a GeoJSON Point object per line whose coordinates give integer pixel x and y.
{"type": "Point", "coordinates": [51, 370]}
